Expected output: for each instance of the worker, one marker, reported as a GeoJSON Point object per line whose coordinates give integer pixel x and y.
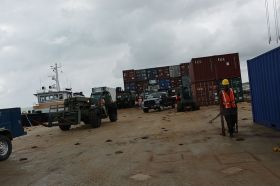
{"type": "Point", "coordinates": [228, 106]}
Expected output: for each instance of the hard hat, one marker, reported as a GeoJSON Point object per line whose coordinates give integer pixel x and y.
{"type": "Point", "coordinates": [225, 82]}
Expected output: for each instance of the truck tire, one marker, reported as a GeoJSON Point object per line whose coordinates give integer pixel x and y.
{"type": "Point", "coordinates": [5, 147]}
{"type": "Point", "coordinates": [65, 127]}
{"type": "Point", "coordinates": [94, 118]}
{"type": "Point", "coordinates": [113, 112]}
{"type": "Point", "coordinates": [113, 115]}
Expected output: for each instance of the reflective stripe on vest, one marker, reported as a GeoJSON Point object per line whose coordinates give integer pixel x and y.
{"type": "Point", "coordinates": [229, 100]}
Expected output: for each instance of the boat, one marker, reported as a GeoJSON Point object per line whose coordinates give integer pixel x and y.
{"type": "Point", "coordinates": [53, 97]}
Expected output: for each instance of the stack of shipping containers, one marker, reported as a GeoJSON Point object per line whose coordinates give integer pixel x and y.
{"type": "Point", "coordinates": [207, 74]}
{"type": "Point", "coordinates": [202, 75]}
{"type": "Point", "coordinates": [129, 80]}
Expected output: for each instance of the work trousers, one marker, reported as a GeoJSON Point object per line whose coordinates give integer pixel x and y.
{"type": "Point", "coordinates": [231, 118]}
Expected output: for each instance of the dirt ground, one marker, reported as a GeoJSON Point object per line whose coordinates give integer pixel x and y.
{"type": "Point", "coordinates": [157, 148]}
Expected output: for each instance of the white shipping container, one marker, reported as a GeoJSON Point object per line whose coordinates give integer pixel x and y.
{"type": "Point", "coordinates": [175, 71]}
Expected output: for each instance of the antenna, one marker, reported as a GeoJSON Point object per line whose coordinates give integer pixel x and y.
{"type": "Point", "coordinates": [55, 78]}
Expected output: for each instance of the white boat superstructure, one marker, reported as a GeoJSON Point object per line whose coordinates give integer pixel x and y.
{"type": "Point", "coordinates": [52, 96]}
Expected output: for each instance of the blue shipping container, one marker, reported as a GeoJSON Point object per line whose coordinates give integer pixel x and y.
{"type": "Point", "coordinates": [11, 119]}
{"type": "Point", "coordinates": [264, 76]}
{"type": "Point", "coordinates": [164, 84]}
{"type": "Point", "coordinates": [129, 86]}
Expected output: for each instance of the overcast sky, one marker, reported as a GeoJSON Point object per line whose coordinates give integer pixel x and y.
{"type": "Point", "coordinates": [94, 40]}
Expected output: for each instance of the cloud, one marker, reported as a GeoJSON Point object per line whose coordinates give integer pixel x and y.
{"type": "Point", "coordinates": [95, 40]}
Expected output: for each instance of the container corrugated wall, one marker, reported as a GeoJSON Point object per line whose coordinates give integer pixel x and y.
{"type": "Point", "coordinates": [11, 119]}
{"type": "Point", "coordinates": [264, 77]}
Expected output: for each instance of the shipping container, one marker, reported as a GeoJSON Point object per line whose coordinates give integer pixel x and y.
{"type": "Point", "coordinates": [264, 79]}
{"type": "Point", "coordinates": [206, 92]}
{"type": "Point", "coordinates": [142, 86]}
{"type": "Point", "coordinates": [129, 86]}
{"type": "Point", "coordinates": [215, 67]}
{"type": "Point", "coordinates": [184, 68]}
{"type": "Point", "coordinates": [227, 66]}
{"type": "Point", "coordinates": [128, 75]}
{"type": "Point", "coordinates": [152, 73]}
{"type": "Point", "coordinates": [153, 82]}
{"type": "Point", "coordinates": [163, 73]}
{"type": "Point", "coordinates": [153, 88]}
{"type": "Point", "coordinates": [186, 81]}
{"type": "Point", "coordinates": [141, 75]}
{"type": "Point", "coordinates": [174, 71]}
{"type": "Point", "coordinates": [164, 84]}
{"type": "Point", "coordinates": [175, 82]}
{"type": "Point", "coordinates": [10, 119]}
{"type": "Point", "coordinates": [202, 69]}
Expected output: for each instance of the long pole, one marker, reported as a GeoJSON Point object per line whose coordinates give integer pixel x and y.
{"type": "Point", "coordinates": [56, 77]}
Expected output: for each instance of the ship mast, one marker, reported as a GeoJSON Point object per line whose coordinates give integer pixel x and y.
{"type": "Point", "coordinates": [55, 78]}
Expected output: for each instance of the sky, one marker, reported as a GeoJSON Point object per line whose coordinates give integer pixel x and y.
{"type": "Point", "coordinates": [94, 40]}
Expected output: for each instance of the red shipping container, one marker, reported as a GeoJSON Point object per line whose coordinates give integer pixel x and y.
{"type": "Point", "coordinates": [163, 72]}
{"type": "Point", "coordinates": [142, 86]}
{"type": "Point", "coordinates": [205, 92]}
{"type": "Point", "coordinates": [128, 75]}
{"type": "Point", "coordinates": [202, 69]}
{"type": "Point", "coordinates": [227, 66]}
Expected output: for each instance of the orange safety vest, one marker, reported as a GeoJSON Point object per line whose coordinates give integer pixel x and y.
{"type": "Point", "coordinates": [229, 100]}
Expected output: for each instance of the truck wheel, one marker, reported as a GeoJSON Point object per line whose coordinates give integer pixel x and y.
{"type": "Point", "coordinates": [113, 112]}
{"type": "Point", "coordinates": [146, 110]}
{"type": "Point", "coordinates": [94, 118]}
{"type": "Point", "coordinates": [113, 115]}
{"type": "Point", "coordinates": [65, 127]}
{"type": "Point", "coordinates": [5, 147]}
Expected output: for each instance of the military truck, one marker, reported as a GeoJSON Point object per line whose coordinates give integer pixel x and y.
{"type": "Point", "coordinates": [186, 100]}
{"type": "Point", "coordinates": [91, 110]}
